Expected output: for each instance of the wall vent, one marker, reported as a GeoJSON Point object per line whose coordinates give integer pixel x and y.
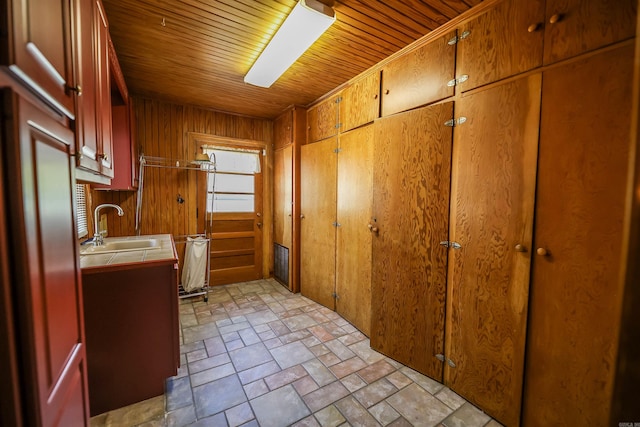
{"type": "Point", "coordinates": [281, 264]}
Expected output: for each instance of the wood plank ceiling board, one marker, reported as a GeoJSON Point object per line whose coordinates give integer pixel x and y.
{"type": "Point", "coordinates": [196, 52]}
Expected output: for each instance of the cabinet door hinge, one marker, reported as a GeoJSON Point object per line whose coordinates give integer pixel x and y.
{"type": "Point", "coordinates": [448, 244]}
{"type": "Point", "coordinates": [463, 78]}
{"type": "Point", "coordinates": [456, 39]}
{"type": "Point", "coordinates": [338, 100]}
{"type": "Point", "coordinates": [440, 357]}
{"type": "Point", "coordinates": [455, 122]}
{"type": "Point", "coordinates": [338, 125]}
{"type": "Point", "coordinates": [451, 363]}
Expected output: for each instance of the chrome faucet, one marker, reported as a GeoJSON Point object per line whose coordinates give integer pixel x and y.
{"type": "Point", "coordinates": [97, 237]}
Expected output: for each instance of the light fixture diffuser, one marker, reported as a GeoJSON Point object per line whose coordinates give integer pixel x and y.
{"type": "Point", "coordinates": [304, 25]}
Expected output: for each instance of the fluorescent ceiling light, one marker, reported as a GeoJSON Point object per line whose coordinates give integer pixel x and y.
{"type": "Point", "coordinates": [307, 21]}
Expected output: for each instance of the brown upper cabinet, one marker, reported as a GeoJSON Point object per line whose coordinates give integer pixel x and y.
{"type": "Point", "coordinates": [576, 26]}
{"type": "Point", "coordinates": [283, 130]}
{"type": "Point", "coordinates": [360, 102]}
{"type": "Point", "coordinates": [322, 119]}
{"type": "Point", "coordinates": [504, 41]}
{"type": "Point", "coordinates": [419, 77]}
{"type": "Point", "coordinates": [40, 52]}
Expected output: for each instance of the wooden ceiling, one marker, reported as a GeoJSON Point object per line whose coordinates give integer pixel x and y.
{"type": "Point", "coordinates": [197, 51]}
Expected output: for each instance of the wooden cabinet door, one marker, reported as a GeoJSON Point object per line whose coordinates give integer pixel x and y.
{"type": "Point", "coordinates": [282, 195]}
{"type": "Point", "coordinates": [322, 120]}
{"type": "Point", "coordinates": [576, 26]}
{"type": "Point", "coordinates": [283, 129]}
{"type": "Point", "coordinates": [318, 170]}
{"type": "Point", "coordinates": [580, 206]}
{"type": "Point", "coordinates": [504, 41]}
{"type": "Point", "coordinates": [103, 86]}
{"type": "Point", "coordinates": [86, 103]}
{"type": "Point", "coordinates": [419, 77]}
{"type": "Point", "coordinates": [492, 203]}
{"type": "Point", "coordinates": [45, 270]}
{"type": "Point", "coordinates": [42, 49]}
{"type": "Point", "coordinates": [360, 102]}
{"type": "Point", "coordinates": [411, 182]}
{"type": "Point", "coordinates": [353, 246]}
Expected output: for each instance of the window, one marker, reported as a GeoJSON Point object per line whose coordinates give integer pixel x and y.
{"type": "Point", "coordinates": [81, 211]}
{"type": "Point", "coordinates": [232, 187]}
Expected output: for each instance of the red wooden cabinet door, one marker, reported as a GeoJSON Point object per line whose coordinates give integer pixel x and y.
{"type": "Point", "coordinates": [45, 273]}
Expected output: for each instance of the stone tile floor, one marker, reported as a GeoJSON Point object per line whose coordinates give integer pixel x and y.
{"type": "Point", "coordinates": [258, 355]}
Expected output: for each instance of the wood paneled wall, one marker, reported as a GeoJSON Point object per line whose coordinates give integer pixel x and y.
{"type": "Point", "coordinates": [163, 131]}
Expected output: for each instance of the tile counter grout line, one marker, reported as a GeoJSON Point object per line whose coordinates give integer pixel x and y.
{"type": "Point", "coordinates": [257, 355]}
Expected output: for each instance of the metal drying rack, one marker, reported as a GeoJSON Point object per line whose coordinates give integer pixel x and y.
{"type": "Point", "coordinates": [164, 163]}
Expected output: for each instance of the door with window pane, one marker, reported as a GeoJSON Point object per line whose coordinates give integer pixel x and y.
{"type": "Point", "coordinates": [234, 215]}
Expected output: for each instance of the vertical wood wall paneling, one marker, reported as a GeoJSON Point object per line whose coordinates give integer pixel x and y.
{"type": "Point", "coordinates": [411, 184]}
{"type": "Point", "coordinates": [500, 43]}
{"type": "Point", "coordinates": [582, 26]}
{"type": "Point", "coordinates": [318, 170]}
{"type": "Point", "coordinates": [576, 296]}
{"type": "Point", "coordinates": [299, 138]}
{"type": "Point", "coordinates": [492, 204]}
{"type": "Point", "coordinates": [626, 392]}
{"type": "Point", "coordinates": [417, 79]}
{"type": "Point", "coordinates": [353, 237]}
{"type": "Point", "coordinates": [162, 131]}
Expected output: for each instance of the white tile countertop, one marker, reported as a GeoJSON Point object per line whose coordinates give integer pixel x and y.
{"type": "Point", "coordinates": [164, 250]}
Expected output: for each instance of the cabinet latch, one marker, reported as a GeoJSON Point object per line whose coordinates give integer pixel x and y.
{"type": "Point", "coordinates": [463, 78]}
{"type": "Point", "coordinates": [337, 150]}
{"type": "Point", "coordinates": [456, 39]}
{"type": "Point", "coordinates": [455, 122]}
{"type": "Point", "coordinates": [337, 224]}
{"type": "Point", "coordinates": [440, 357]}
{"type": "Point", "coordinates": [448, 244]}
{"type": "Point", "coordinates": [335, 295]}
{"type": "Point", "coordinates": [338, 125]}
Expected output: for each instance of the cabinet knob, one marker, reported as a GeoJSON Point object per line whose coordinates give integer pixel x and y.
{"type": "Point", "coordinates": [520, 248]}
{"type": "Point", "coordinates": [533, 27]}
{"type": "Point", "coordinates": [103, 156]}
{"type": "Point", "coordinates": [301, 216]}
{"type": "Point", "coordinates": [76, 89]}
{"type": "Point", "coordinates": [375, 96]}
{"type": "Point", "coordinates": [372, 228]}
{"type": "Point", "coordinates": [555, 18]}
{"type": "Point", "coordinates": [542, 252]}
{"type": "Point", "coordinates": [386, 92]}
{"type": "Point", "coordinates": [259, 224]}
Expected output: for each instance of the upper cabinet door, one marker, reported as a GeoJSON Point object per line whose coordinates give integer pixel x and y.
{"type": "Point", "coordinates": [283, 129]}
{"type": "Point", "coordinates": [105, 145]}
{"type": "Point", "coordinates": [360, 102]}
{"type": "Point", "coordinates": [42, 54]}
{"type": "Point", "coordinates": [505, 41]}
{"type": "Point", "coordinates": [576, 26]}
{"type": "Point", "coordinates": [420, 77]}
{"type": "Point", "coordinates": [322, 119]}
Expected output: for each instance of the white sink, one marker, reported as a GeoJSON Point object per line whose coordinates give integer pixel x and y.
{"type": "Point", "coordinates": [121, 246]}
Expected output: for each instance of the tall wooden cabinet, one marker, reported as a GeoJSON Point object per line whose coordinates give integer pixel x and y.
{"type": "Point", "coordinates": [318, 169]}
{"type": "Point", "coordinates": [575, 291]}
{"type": "Point", "coordinates": [289, 134]}
{"type": "Point", "coordinates": [492, 199]}
{"type": "Point", "coordinates": [354, 227]}
{"type": "Point", "coordinates": [47, 327]}
{"type": "Point", "coordinates": [411, 182]}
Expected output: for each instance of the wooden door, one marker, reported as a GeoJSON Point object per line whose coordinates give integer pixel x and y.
{"type": "Point", "coordinates": [576, 26]}
{"type": "Point", "coordinates": [45, 270]}
{"type": "Point", "coordinates": [353, 245]}
{"type": "Point", "coordinates": [236, 230]}
{"type": "Point", "coordinates": [493, 191]}
{"type": "Point", "coordinates": [360, 102]}
{"type": "Point", "coordinates": [318, 170]}
{"type": "Point", "coordinates": [411, 182]}
{"type": "Point", "coordinates": [419, 77]}
{"type": "Point", "coordinates": [575, 292]}
{"type": "Point", "coordinates": [42, 49]}
{"type": "Point", "coordinates": [322, 120]}
{"type": "Point", "coordinates": [504, 41]}
{"type": "Point", "coordinates": [283, 207]}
